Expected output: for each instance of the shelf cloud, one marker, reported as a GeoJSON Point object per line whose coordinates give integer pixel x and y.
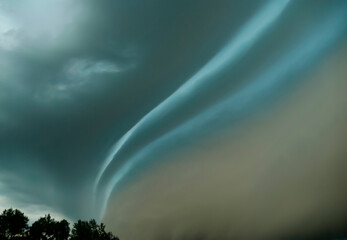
{"type": "Point", "coordinates": [176, 119]}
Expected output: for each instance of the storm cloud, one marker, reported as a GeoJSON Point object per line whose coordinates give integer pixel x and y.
{"type": "Point", "coordinates": [176, 119]}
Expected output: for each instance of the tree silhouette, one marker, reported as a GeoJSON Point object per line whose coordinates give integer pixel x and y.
{"type": "Point", "coordinates": [90, 230]}
{"type": "Point", "coordinates": [62, 230]}
{"type": "Point", "coordinates": [13, 224]}
{"type": "Point", "coordinates": [42, 228]}
{"type": "Point", "coordinates": [46, 228]}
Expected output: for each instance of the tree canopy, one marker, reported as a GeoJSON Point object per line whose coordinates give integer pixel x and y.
{"type": "Point", "coordinates": [47, 228]}
{"type": "Point", "coordinates": [14, 225]}
{"type": "Point", "coordinates": [89, 230]}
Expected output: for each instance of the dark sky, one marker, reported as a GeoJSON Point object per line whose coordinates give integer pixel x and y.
{"type": "Point", "coordinates": [101, 100]}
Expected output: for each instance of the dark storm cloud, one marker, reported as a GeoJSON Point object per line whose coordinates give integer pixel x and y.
{"type": "Point", "coordinates": [145, 138]}
{"type": "Point", "coordinates": [92, 93]}
{"type": "Point", "coordinates": [76, 76]}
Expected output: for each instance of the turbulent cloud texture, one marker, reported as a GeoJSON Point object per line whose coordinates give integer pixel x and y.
{"type": "Point", "coordinates": [177, 119]}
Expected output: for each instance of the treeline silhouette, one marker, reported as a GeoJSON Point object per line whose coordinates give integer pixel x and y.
{"type": "Point", "coordinates": [14, 225]}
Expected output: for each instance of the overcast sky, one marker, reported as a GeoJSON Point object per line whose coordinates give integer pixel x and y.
{"type": "Point", "coordinates": [180, 119]}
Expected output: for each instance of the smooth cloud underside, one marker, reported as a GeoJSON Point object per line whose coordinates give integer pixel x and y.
{"type": "Point", "coordinates": [177, 119]}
